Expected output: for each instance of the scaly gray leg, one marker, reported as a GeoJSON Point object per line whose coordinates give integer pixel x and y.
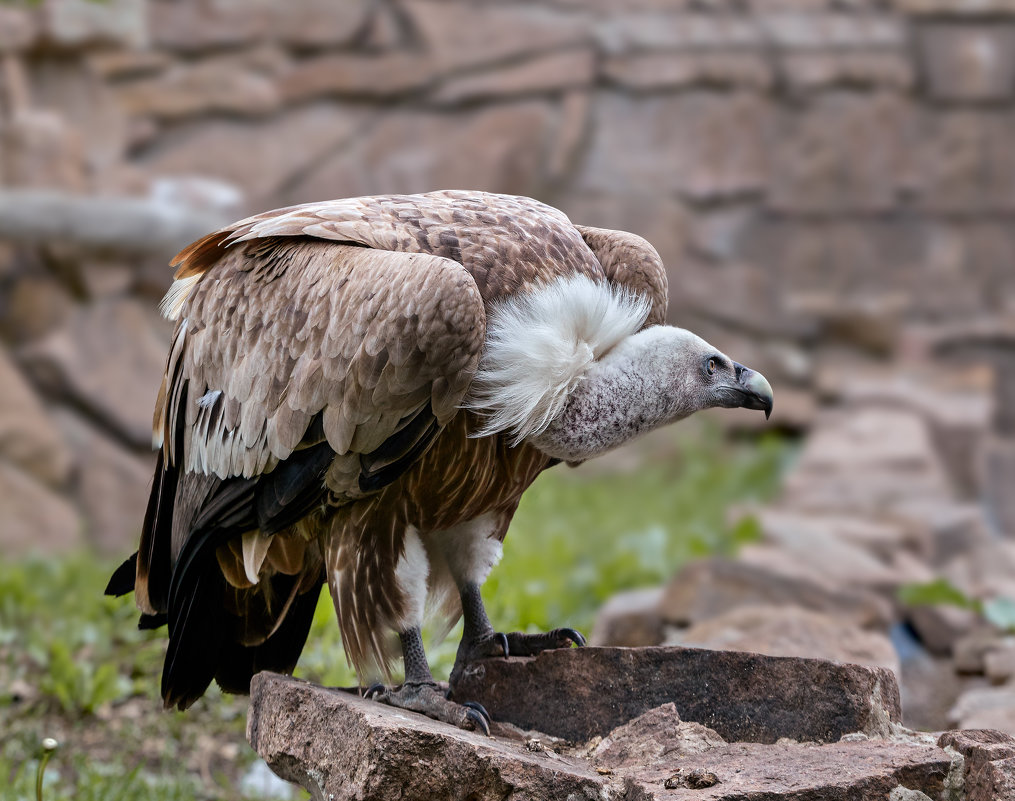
{"type": "Point", "coordinates": [479, 640]}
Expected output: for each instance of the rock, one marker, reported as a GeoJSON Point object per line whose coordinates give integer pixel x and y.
{"type": "Point", "coordinates": [197, 27]}
{"type": "Point", "coordinates": [813, 547]}
{"type": "Point", "coordinates": [999, 663]}
{"type": "Point", "coordinates": [110, 485]}
{"type": "Point", "coordinates": [630, 619]}
{"type": "Point", "coordinates": [650, 738]}
{"type": "Point", "coordinates": [986, 708]}
{"type": "Point", "coordinates": [998, 471]}
{"type": "Point", "coordinates": [672, 70]}
{"type": "Point", "coordinates": [37, 304]}
{"type": "Point", "coordinates": [338, 745]}
{"type": "Point", "coordinates": [968, 62]}
{"type": "Point", "coordinates": [227, 150]}
{"type": "Point", "coordinates": [970, 650]}
{"type": "Point", "coordinates": [382, 750]}
{"type": "Point", "coordinates": [791, 631]}
{"type": "Point", "coordinates": [17, 29]}
{"type": "Point", "coordinates": [554, 72]}
{"type": "Point", "coordinates": [866, 460]}
{"type": "Point", "coordinates": [355, 75]}
{"type": "Point", "coordinates": [80, 23]}
{"type": "Point", "coordinates": [87, 106]}
{"type": "Point", "coordinates": [744, 697]}
{"type": "Point", "coordinates": [816, 69]}
{"type": "Point", "coordinates": [702, 145]}
{"type": "Point", "coordinates": [39, 150]}
{"type": "Point", "coordinates": [939, 626]}
{"type": "Point", "coordinates": [929, 686]}
{"type": "Point", "coordinates": [499, 148]}
{"type": "Point", "coordinates": [984, 571]}
{"type": "Point", "coordinates": [35, 518]}
{"type": "Point", "coordinates": [206, 88]}
{"type": "Point", "coordinates": [109, 358]}
{"type": "Point", "coordinates": [28, 437]}
{"type": "Point", "coordinates": [707, 588]}
{"type": "Point", "coordinates": [989, 773]}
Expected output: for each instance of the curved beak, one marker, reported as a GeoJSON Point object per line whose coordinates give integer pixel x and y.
{"type": "Point", "coordinates": [757, 392]}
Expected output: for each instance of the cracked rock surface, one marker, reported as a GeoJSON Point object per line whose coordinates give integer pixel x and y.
{"type": "Point", "coordinates": [340, 746]}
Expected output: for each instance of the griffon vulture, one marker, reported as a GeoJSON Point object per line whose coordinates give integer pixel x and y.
{"type": "Point", "coordinates": [358, 392]}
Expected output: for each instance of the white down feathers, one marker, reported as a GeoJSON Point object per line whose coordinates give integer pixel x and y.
{"type": "Point", "coordinates": [539, 346]}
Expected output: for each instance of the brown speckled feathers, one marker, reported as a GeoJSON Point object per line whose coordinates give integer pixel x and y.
{"type": "Point", "coordinates": [310, 411]}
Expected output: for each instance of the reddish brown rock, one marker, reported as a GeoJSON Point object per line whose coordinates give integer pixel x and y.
{"type": "Point", "coordinates": [28, 435]}
{"type": "Point", "coordinates": [109, 359]}
{"type": "Point", "coordinates": [338, 745]}
{"type": "Point", "coordinates": [744, 697]}
{"type": "Point", "coordinates": [499, 148]}
{"type": "Point", "coordinates": [969, 62]}
{"type": "Point", "coordinates": [989, 762]}
{"type": "Point", "coordinates": [110, 485]}
{"type": "Point", "coordinates": [710, 587]}
{"type": "Point", "coordinates": [208, 88]}
{"type": "Point", "coordinates": [226, 149]}
{"type": "Point", "coordinates": [629, 619]}
{"type": "Point", "coordinates": [35, 519]}
{"type": "Point", "coordinates": [791, 631]}
{"type": "Point", "coordinates": [77, 23]}
{"type": "Point", "coordinates": [554, 72]}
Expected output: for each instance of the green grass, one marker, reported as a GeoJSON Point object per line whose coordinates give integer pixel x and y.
{"type": "Point", "coordinates": [74, 666]}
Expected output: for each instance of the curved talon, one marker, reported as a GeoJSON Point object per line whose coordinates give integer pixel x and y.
{"type": "Point", "coordinates": [479, 708]}
{"type": "Point", "coordinates": [500, 635]}
{"type": "Point", "coordinates": [372, 690]}
{"type": "Point", "coordinates": [574, 636]}
{"type": "Point", "coordinates": [477, 719]}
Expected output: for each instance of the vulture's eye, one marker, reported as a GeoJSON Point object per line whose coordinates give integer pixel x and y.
{"type": "Point", "coordinates": [711, 366]}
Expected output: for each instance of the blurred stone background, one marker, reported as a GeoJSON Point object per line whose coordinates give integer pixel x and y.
{"type": "Point", "coordinates": [831, 184]}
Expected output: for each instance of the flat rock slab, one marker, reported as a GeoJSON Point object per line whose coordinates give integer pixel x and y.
{"type": "Point", "coordinates": [580, 693]}
{"type": "Point", "coordinates": [340, 746]}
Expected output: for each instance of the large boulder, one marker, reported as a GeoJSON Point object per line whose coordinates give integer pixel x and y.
{"type": "Point", "coordinates": [743, 696]}
{"type": "Point", "coordinates": [339, 745]}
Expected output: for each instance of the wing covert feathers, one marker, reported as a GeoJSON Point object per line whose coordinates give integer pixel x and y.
{"type": "Point", "coordinates": [293, 328]}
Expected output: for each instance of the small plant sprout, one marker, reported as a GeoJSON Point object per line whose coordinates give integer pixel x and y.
{"type": "Point", "coordinates": [49, 745]}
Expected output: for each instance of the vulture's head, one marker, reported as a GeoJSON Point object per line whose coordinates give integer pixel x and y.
{"type": "Point", "coordinates": [570, 369]}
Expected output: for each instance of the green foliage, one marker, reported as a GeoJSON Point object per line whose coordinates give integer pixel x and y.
{"type": "Point", "coordinates": [999, 612]}
{"type": "Point", "coordinates": [61, 635]}
{"type": "Point", "coordinates": [931, 593]}
{"type": "Point", "coordinates": [91, 782]}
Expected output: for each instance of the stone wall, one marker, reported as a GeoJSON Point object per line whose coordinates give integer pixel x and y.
{"type": "Point", "coordinates": [826, 179]}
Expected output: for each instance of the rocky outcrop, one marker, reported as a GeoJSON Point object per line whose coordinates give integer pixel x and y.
{"type": "Point", "coordinates": [338, 745]}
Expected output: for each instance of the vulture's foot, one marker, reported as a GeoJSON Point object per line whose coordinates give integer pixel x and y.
{"type": "Point", "coordinates": [429, 698]}
{"type": "Point", "coordinates": [517, 643]}
{"type": "Point", "coordinates": [521, 644]}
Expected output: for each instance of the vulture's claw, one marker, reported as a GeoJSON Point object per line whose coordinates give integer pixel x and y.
{"type": "Point", "coordinates": [479, 722]}
{"type": "Point", "coordinates": [479, 708]}
{"type": "Point", "coordinates": [521, 644]}
{"type": "Point", "coordinates": [428, 699]}
{"type": "Point", "coordinates": [372, 690]}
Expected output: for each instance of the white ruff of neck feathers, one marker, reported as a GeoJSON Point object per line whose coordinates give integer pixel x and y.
{"type": "Point", "coordinates": [172, 303]}
{"type": "Point", "coordinates": [539, 345]}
